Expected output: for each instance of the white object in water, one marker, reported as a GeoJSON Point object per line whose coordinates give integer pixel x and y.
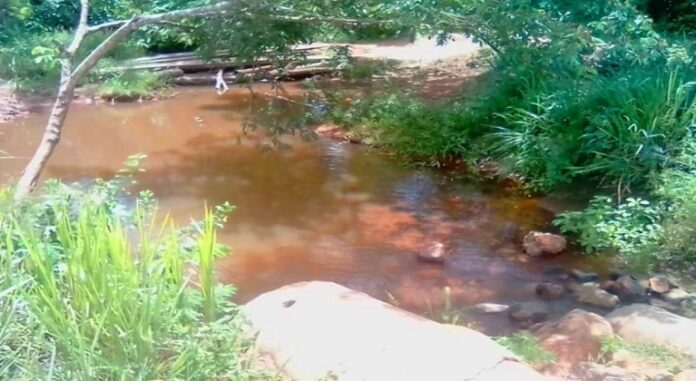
{"type": "Point", "coordinates": [220, 84]}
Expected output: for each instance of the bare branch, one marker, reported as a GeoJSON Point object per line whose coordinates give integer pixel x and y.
{"type": "Point", "coordinates": [82, 28]}
{"type": "Point", "coordinates": [216, 10]}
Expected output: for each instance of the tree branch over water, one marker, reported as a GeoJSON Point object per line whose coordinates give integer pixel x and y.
{"type": "Point", "coordinates": [72, 72]}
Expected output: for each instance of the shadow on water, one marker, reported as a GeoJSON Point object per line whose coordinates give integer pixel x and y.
{"type": "Point", "coordinates": [320, 210]}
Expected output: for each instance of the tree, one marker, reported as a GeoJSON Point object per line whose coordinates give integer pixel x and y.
{"type": "Point", "coordinates": [73, 69]}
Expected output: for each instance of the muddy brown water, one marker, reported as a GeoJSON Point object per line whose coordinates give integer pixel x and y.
{"type": "Point", "coordinates": [316, 210]}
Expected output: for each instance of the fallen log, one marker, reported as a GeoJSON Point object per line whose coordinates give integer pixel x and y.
{"type": "Point", "coordinates": [300, 72]}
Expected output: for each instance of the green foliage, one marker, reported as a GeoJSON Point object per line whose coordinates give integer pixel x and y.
{"type": "Point", "coordinates": [93, 289]}
{"type": "Point", "coordinates": [132, 85]}
{"type": "Point", "coordinates": [661, 356]}
{"type": "Point", "coordinates": [631, 228]}
{"type": "Point", "coordinates": [396, 120]}
{"type": "Point", "coordinates": [526, 347]}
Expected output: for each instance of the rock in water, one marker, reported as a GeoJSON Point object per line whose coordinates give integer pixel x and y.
{"type": "Point", "coordinates": [528, 313]}
{"type": "Point", "coordinates": [333, 330]}
{"type": "Point", "coordinates": [584, 277]}
{"type": "Point", "coordinates": [575, 337]}
{"type": "Point", "coordinates": [491, 308]}
{"type": "Point", "coordinates": [549, 291]}
{"type": "Point", "coordinates": [593, 295]}
{"type": "Point", "coordinates": [649, 324]}
{"type": "Point", "coordinates": [659, 284]}
{"type": "Point", "coordinates": [433, 253]}
{"type": "Point", "coordinates": [537, 244]}
{"type": "Point", "coordinates": [631, 290]}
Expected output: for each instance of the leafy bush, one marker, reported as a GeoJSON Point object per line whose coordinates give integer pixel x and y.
{"type": "Point", "coordinates": [132, 85]}
{"type": "Point", "coordinates": [631, 228]}
{"type": "Point", "coordinates": [415, 128]}
{"type": "Point", "coordinates": [92, 287]}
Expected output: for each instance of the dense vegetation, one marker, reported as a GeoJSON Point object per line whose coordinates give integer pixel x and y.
{"type": "Point", "coordinates": [594, 93]}
{"type": "Point", "coordinates": [93, 287]}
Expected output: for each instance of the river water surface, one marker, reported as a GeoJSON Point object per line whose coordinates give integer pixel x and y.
{"type": "Point", "coordinates": [314, 210]}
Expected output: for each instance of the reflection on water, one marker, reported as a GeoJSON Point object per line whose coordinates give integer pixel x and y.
{"type": "Point", "coordinates": [322, 210]}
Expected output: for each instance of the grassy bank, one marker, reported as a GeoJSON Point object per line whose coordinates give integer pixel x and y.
{"type": "Point", "coordinates": [92, 288]}
{"type": "Point", "coordinates": [620, 126]}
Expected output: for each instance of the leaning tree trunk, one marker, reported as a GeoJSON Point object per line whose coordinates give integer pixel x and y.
{"type": "Point", "coordinates": [71, 75]}
{"type": "Point", "coordinates": [49, 140]}
{"type": "Point", "coordinates": [72, 71]}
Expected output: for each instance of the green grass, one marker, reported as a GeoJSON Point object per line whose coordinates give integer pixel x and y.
{"type": "Point", "coordinates": [132, 85]}
{"type": "Point", "coordinates": [90, 290]}
{"type": "Point", "coordinates": [660, 356]}
{"type": "Point", "coordinates": [527, 348]}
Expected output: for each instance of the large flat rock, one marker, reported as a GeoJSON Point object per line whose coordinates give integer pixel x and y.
{"type": "Point", "coordinates": [313, 330]}
{"type": "Point", "coordinates": [649, 324]}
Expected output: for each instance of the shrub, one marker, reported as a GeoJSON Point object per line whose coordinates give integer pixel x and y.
{"type": "Point", "coordinates": [93, 287]}
{"type": "Point", "coordinates": [132, 85]}
{"type": "Point", "coordinates": [631, 228]}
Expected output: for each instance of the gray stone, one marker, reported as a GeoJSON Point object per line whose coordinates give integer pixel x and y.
{"type": "Point", "coordinates": [593, 295]}
{"type": "Point", "coordinates": [491, 308]}
{"type": "Point", "coordinates": [631, 290]}
{"type": "Point", "coordinates": [649, 324]}
{"type": "Point", "coordinates": [529, 312]}
{"type": "Point", "coordinates": [584, 277]}
{"type": "Point", "coordinates": [661, 303]}
{"type": "Point", "coordinates": [676, 295]}
{"type": "Point", "coordinates": [332, 330]}
{"type": "Point", "coordinates": [549, 291]}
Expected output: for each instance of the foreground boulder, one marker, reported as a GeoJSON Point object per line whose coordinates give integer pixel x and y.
{"type": "Point", "coordinates": [649, 324]}
{"type": "Point", "coordinates": [575, 337]}
{"type": "Point", "coordinates": [313, 330]}
{"type": "Point", "coordinates": [537, 244]}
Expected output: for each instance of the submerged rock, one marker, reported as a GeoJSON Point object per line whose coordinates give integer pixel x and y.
{"type": "Point", "coordinates": [433, 253]}
{"type": "Point", "coordinates": [332, 330]}
{"type": "Point", "coordinates": [584, 277]}
{"type": "Point", "coordinates": [593, 295]}
{"type": "Point", "coordinates": [491, 308]}
{"type": "Point", "coordinates": [528, 313]}
{"type": "Point", "coordinates": [549, 291]}
{"type": "Point", "coordinates": [575, 337]}
{"type": "Point", "coordinates": [537, 244]}
{"type": "Point", "coordinates": [653, 325]}
{"type": "Point", "coordinates": [333, 131]}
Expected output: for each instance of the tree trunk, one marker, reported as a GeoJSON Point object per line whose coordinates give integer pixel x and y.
{"type": "Point", "coordinates": [50, 139]}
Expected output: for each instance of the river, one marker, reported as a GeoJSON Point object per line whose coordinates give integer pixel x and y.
{"type": "Point", "coordinates": [314, 209]}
